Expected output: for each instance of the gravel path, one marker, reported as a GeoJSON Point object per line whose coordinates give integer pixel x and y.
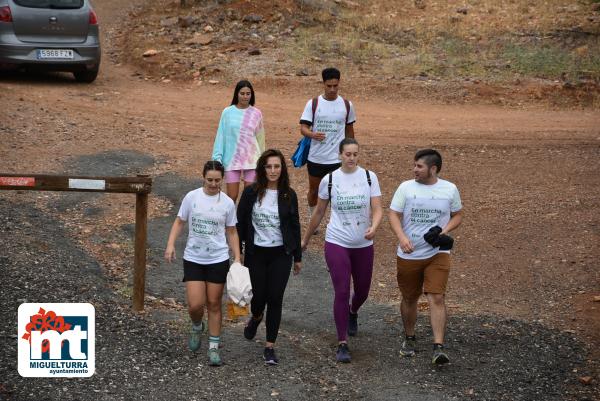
{"type": "Point", "coordinates": [144, 356]}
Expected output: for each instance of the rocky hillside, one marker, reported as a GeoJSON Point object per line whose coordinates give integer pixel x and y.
{"type": "Point", "coordinates": [536, 47]}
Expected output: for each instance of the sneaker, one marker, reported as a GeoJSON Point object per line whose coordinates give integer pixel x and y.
{"type": "Point", "coordinates": [343, 353]}
{"type": "Point", "coordinates": [352, 324]}
{"type": "Point", "coordinates": [195, 338]}
{"type": "Point", "coordinates": [270, 357]}
{"type": "Point", "coordinates": [251, 327]}
{"type": "Point", "coordinates": [408, 347]}
{"type": "Point", "coordinates": [439, 356]}
{"type": "Point", "coordinates": [214, 358]}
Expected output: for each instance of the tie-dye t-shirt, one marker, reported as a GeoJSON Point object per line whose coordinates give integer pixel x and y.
{"type": "Point", "coordinates": [240, 138]}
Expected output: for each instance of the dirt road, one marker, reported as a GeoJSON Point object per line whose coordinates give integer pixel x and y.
{"type": "Point", "coordinates": [523, 264]}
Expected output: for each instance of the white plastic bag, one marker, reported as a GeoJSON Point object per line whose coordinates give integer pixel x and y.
{"type": "Point", "coordinates": [239, 288]}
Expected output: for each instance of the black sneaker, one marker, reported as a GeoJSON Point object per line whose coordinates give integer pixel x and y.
{"type": "Point", "coordinates": [408, 348]}
{"type": "Point", "coordinates": [343, 353]}
{"type": "Point", "coordinates": [270, 357]}
{"type": "Point", "coordinates": [352, 324]}
{"type": "Point", "coordinates": [251, 327]}
{"type": "Point", "coordinates": [439, 356]}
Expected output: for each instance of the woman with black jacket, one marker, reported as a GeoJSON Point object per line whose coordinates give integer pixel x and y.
{"type": "Point", "coordinates": [269, 230]}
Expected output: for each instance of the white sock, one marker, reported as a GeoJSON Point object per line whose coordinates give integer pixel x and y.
{"type": "Point", "coordinates": [213, 342]}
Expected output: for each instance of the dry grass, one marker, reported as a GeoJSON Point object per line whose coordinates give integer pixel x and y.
{"type": "Point", "coordinates": [424, 48]}
{"type": "Point", "coordinates": [484, 18]}
{"type": "Point", "coordinates": [489, 40]}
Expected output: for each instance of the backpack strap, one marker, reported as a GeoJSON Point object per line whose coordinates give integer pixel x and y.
{"type": "Point", "coordinates": [315, 102]}
{"type": "Point", "coordinates": [330, 185]}
{"type": "Point", "coordinates": [347, 104]}
{"type": "Point", "coordinates": [330, 182]}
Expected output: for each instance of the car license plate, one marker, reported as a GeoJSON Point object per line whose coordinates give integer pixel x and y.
{"type": "Point", "coordinates": [56, 54]}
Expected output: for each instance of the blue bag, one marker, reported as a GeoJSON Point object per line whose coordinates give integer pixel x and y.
{"type": "Point", "coordinates": [300, 156]}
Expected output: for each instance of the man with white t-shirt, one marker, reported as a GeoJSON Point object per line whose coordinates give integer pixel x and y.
{"type": "Point", "coordinates": [327, 120]}
{"type": "Point", "coordinates": [422, 213]}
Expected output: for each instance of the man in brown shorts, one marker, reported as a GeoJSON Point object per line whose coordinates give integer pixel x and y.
{"type": "Point", "coordinates": [422, 212]}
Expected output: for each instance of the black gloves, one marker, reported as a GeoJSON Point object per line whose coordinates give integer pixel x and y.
{"type": "Point", "coordinates": [445, 242]}
{"type": "Point", "coordinates": [432, 235]}
{"type": "Point", "coordinates": [433, 238]}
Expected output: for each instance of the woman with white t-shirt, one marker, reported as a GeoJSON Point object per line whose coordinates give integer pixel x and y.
{"type": "Point", "coordinates": [211, 219]}
{"type": "Point", "coordinates": [269, 227]}
{"type": "Point", "coordinates": [356, 213]}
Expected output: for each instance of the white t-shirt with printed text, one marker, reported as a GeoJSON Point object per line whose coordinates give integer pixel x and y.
{"type": "Point", "coordinates": [350, 206]}
{"type": "Point", "coordinates": [330, 118]}
{"type": "Point", "coordinates": [207, 216]}
{"type": "Point", "coordinates": [265, 219]}
{"type": "Point", "coordinates": [422, 207]}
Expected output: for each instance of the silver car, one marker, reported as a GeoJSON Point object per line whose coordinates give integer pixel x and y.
{"type": "Point", "coordinates": [58, 35]}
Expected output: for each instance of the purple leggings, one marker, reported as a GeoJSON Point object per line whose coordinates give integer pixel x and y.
{"type": "Point", "coordinates": [344, 263]}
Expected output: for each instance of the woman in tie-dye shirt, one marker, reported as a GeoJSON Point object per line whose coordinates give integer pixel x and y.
{"type": "Point", "coordinates": [240, 139]}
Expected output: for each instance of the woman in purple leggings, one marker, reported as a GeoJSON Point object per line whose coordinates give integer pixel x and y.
{"type": "Point", "coordinates": [355, 216]}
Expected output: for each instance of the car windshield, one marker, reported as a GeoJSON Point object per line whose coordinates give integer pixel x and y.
{"type": "Point", "coordinates": [50, 3]}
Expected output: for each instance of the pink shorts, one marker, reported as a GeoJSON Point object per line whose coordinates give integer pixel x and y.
{"type": "Point", "coordinates": [233, 176]}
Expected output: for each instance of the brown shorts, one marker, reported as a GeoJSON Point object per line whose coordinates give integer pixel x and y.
{"type": "Point", "coordinates": [423, 275]}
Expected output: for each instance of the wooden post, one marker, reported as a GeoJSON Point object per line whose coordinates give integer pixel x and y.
{"type": "Point", "coordinates": [141, 233]}
{"type": "Point", "coordinates": [140, 185]}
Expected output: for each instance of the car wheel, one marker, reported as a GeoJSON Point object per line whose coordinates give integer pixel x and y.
{"type": "Point", "coordinates": [86, 76]}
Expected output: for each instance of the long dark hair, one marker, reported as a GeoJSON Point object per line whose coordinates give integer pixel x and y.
{"type": "Point", "coordinates": [243, 84]}
{"type": "Point", "coordinates": [283, 184]}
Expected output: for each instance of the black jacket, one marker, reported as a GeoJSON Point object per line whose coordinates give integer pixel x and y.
{"type": "Point", "coordinates": [288, 216]}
